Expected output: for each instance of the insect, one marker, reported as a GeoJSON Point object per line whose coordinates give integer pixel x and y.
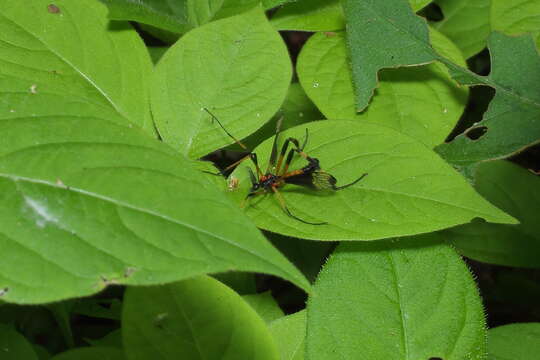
{"type": "Point", "coordinates": [278, 175]}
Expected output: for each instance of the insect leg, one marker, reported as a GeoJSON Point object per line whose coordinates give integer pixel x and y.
{"type": "Point", "coordinates": [288, 212]}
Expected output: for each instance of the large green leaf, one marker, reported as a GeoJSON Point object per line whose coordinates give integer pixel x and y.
{"type": "Point", "coordinates": [383, 34]}
{"type": "Point", "coordinates": [14, 346]}
{"type": "Point", "coordinates": [511, 122]}
{"type": "Point", "coordinates": [91, 353]}
{"type": "Point", "coordinates": [516, 191]}
{"type": "Point", "coordinates": [407, 299]}
{"type": "Point", "coordinates": [142, 216]}
{"type": "Point", "coordinates": [514, 341]}
{"type": "Point", "coordinates": [88, 199]}
{"type": "Point", "coordinates": [422, 102]}
{"type": "Point", "coordinates": [237, 67]}
{"type": "Point", "coordinates": [318, 15]}
{"type": "Point", "coordinates": [69, 49]}
{"type": "Point", "coordinates": [466, 22]}
{"type": "Point", "coordinates": [194, 319]}
{"type": "Point", "coordinates": [289, 333]}
{"type": "Point", "coordinates": [408, 190]}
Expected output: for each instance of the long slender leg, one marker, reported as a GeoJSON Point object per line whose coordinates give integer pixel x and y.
{"type": "Point", "coordinates": [288, 212]}
{"type": "Point", "coordinates": [346, 186]}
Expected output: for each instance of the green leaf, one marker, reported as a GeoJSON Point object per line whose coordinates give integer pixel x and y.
{"type": "Point", "coordinates": [383, 34]}
{"type": "Point", "coordinates": [112, 339]}
{"type": "Point", "coordinates": [408, 190]}
{"type": "Point", "coordinates": [126, 218]}
{"type": "Point", "coordinates": [517, 192]}
{"type": "Point", "coordinates": [87, 199]}
{"type": "Point", "coordinates": [515, 16]}
{"type": "Point", "coordinates": [318, 15]}
{"type": "Point", "coordinates": [410, 299]}
{"type": "Point", "coordinates": [265, 305]}
{"type": "Point", "coordinates": [91, 353]}
{"type": "Point", "coordinates": [306, 255]}
{"type": "Point", "coordinates": [296, 109]}
{"type": "Point", "coordinates": [511, 121]}
{"type": "Point", "coordinates": [14, 346]}
{"type": "Point", "coordinates": [163, 14]}
{"type": "Point", "coordinates": [466, 23]}
{"type": "Point", "coordinates": [39, 58]}
{"type": "Point", "coordinates": [514, 341]}
{"type": "Point", "coordinates": [243, 81]}
{"type": "Point", "coordinates": [194, 319]}
{"type": "Point", "coordinates": [289, 333]}
{"type": "Point", "coordinates": [422, 102]}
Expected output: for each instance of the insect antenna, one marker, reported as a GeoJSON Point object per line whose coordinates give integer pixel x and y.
{"type": "Point", "coordinates": [214, 117]}
{"type": "Point", "coordinates": [350, 184]}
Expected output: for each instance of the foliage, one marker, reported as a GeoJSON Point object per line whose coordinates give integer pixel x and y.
{"type": "Point", "coordinates": [102, 183]}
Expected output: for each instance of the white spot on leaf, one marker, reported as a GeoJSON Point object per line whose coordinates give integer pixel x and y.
{"type": "Point", "coordinates": [41, 212]}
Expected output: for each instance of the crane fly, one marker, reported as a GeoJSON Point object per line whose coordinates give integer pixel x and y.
{"type": "Point", "coordinates": [277, 173]}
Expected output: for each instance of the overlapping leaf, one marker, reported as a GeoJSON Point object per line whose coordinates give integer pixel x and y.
{"type": "Point", "coordinates": [86, 197]}
{"type": "Point", "coordinates": [421, 102]}
{"type": "Point", "coordinates": [37, 57]}
{"type": "Point", "coordinates": [516, 191]}
{"type": "Point", "coordinates": [408, 189]}
{"type": "Point", "coordinates": [14, 346]}
{"type": "Point", "coordinates": [514, 341]}
{"type": "Point", "coordinates": [92, 353]}
{"type": "Point", "coordinates": [384, 300]}
{"type": "Point", "coordinates": [243, 81]}
{"type": "Point", "coordinates": [466, 23]}
{"type": "Point", "coordinates": [383, 34]}
{"type": "Point", "coordinates": [512, 121]}
{"type": "Point", "coordinates": [318, 15]}
{"type": "Point", "coordinates": [198, 318]}
{"type": "Point", "coordinates": [289, 333]}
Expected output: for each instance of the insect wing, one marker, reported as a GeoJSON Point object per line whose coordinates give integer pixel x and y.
{"type": "Point", "coordinates": [323, 180]}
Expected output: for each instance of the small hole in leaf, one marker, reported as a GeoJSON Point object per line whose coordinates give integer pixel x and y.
{"type": "Point", "coordinates": [476, 133]}
{"type": "Point", "coordinates": [435, 358]}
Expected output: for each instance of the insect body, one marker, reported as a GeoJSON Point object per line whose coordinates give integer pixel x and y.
{"type": "Point", "coordinates": [278, 175]}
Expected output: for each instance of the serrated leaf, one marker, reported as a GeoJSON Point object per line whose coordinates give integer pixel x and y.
{"type": "Point", "coordinates": [243, 81]}
{"type": "Point", "coordinates": [383, 34]}
{"type": "Point", "coordinates": [421, 102]}
{"type": "Point", "coordinates": [265, 305]}
{"type": "Point", "coordinates": [194, 319]}
{"type": "Point", "coordinates": [289, 333]}
{"type": "Point", "coordinates": [517, 192]}
{"type": "Point", "coordinates": [408, 189]}
{"type": "Point", "coordinates": [466, 23]}
{"type": "Point", "coordinates": [384, 300]}
{"type": "Point", "coordinates": [38, 57]}
{"type": "Point", "coordinates": [514, 341]}
{"type": "Point", "coordinates": [14, 346]}
{"type": "Point", "coordinates": [318, 15]}
{"type": "Point", "coordinates": [91, 353]}
{"type": "Point", "coordinates": [512, 119]}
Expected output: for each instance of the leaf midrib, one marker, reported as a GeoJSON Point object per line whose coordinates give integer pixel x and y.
{"type": "Point", "coordinates": [116, 202]}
